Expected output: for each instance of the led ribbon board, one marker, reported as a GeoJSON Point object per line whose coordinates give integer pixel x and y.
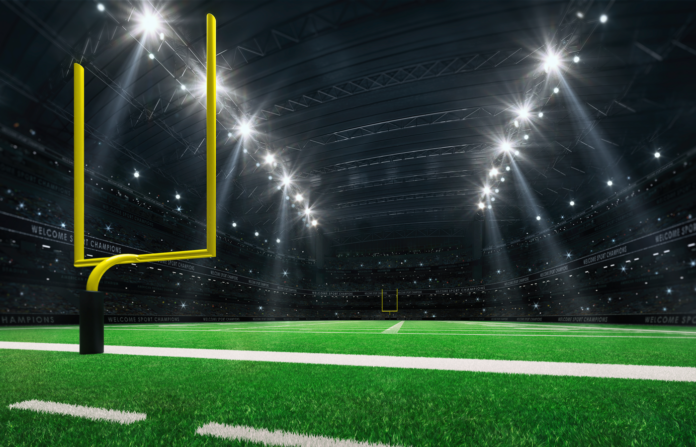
{"type": "Point", "coordinates": [103, 264]}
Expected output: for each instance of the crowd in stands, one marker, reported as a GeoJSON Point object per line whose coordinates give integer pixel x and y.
{"type": "Point", "coordinates": [441, 256]}
{"type": "Point", "coordinates": [662, 282]}
{"type": "Point", "coordinates": [659, 203]}
{"type": "Point", "coordinates": [35, 202]}
{"type": "Point", "coordinates": [34, 299]}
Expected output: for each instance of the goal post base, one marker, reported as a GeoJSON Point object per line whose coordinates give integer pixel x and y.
{"type": "Point", "coordinates": [91, 323]}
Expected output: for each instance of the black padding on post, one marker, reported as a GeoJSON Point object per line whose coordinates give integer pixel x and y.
{"type": "Point", "coordinates": [91, 323]}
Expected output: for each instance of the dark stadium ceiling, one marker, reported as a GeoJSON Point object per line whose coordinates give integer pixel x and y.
{"type": "Point", "coordinates": [387, 116]}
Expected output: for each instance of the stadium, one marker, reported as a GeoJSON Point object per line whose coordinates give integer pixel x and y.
{"type": "Point", "coordinates": [348, 223]}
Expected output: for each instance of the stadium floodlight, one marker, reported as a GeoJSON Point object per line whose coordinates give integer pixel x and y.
{"type": "Point", "coordinates": [234, 224]}
{"type": "Point", "coordinates": [256, 233]}
{"type": "Point", "coordinates": [136, 174]}
{"type": "Point", "coordinates": [494, 172]}
{"type": "Point", "coordinates": [149, 22]}
{"type": "Point", "coordinates": [486, 190]}
{"type": "Point", "coordinates": [603, 18]}
{"type": "Point", "coordinates": [576, 59]}
{"type": "Point", "coordinates": [523, 113]}
{"type": "Point", "coordinates": [298, 197]}
{"type": "Point", "coordinates": [516, 123]}
{"type": "Point", "coordinates": [556, 90]}
{"type": "Point", "coordinates": [580, 15]}
{"type": "Point", "coordinates": [151, 56]}
{"type": "Point", "coordinates": [507, 168]}
{"type": "Point", "coordinates": [177, 196]}
{"type": "Point", "coordinates": [91, 313]}
{"type": "Point", "coordinates": [287, 180]}
{"type": "Point", "coordinates": [505, 146]}
{"type": "Point", "coordinates": [100, 7]}
{"type": "Point", "coordinates": [245, 130]}
{"type": "Point", "coordinates": [183, 87]}
{"type": "Point", "coordinates": [541, 114]}
{"type": "Point", "coordinates": [307, 211]}
{"type": "Point", "coordinates": [315, 223]}
{"type": "Point", "coordinates": [278, 241]}
{"type": "Point", "coordinates": [551, 62]}
{"type": "Point", "coordinates": [610, 183]}
{"type": "Point", "coordinates": [572, 203]}
{"type": "Point", "coordinates": [657, 155]}
{"type": "Point", "coordinates": [538, 217]}
{"type": "Point", "coordinates": [481, 205]}
{"type": "Point", "coordinates": [270, 158]}
{"type": "Point", "coordinates": [161, 36]}
{"type": "Point", "coordinates": [526, 137]}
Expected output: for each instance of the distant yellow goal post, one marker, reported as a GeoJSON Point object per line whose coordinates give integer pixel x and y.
{"type": "Point", "coordinates": [397, 302]}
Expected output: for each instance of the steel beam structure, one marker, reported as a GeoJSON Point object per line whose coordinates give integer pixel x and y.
{"type": "Point", "coordinates": [338, 240]}
{"type": "Point", "coordinates": [411, 73]}
{"type": "Point", "coordinates": [409, 122]}
{"type": "Point", "coordinates": [401, 156]}
{"type": "Point", "coordinates": [402, 197]}
{"type": "Point", "coordinates": [398, 180]}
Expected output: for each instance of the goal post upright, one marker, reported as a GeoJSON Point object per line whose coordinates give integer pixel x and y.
{"type": "Point", "coordinates": [91, 314]}
{"type": "Point", "coordinates": [397, 302]}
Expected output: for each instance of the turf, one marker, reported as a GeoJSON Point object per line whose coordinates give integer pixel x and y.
{"type": "Point", "coordinates": [605, 344]}
{"type": "Point", "coordinates": [395, 406]}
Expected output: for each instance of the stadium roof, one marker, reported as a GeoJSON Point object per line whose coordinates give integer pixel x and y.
{"type": "Point", "coordinates": [384, 115]}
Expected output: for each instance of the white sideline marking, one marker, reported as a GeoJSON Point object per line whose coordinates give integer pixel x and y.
{"type": "Point", "coordinates": [590, 328]}
{"type": "Point", "coordinates": [96, 414]}
{"type": "Point", "coordinates": [394, 329]}
{"type": "Point", "coordinates": [668, 373]}
{"type": "Point", "coordinates": [278, 437]}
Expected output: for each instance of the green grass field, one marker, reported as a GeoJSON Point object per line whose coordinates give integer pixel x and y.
{"type": "Point", "coordinates": [388, 405]}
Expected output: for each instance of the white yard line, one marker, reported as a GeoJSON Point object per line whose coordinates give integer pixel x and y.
{"type": "Point", "coordinates": [394, 329]}
{"type": "Point", "coordinates": [278, 437]}
{"type": "Point", "coordinates": [96, 414]}
{"type": "Point", "coordinates": [667, 373]}
{"type": "Point", "coordinates": [377, 332]}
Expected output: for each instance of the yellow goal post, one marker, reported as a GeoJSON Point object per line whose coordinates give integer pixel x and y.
{"type": "Point", "coordinates": [103, 264]}
{"type": "Point", "coordinates": [397, 302]}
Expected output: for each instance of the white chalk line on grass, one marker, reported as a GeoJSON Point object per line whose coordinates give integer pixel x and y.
{"type": "Point", "coordinates": [96, 414]}
{"type": "Point", "coordinates": [667, 337]}
{"type": "Point", "coordinates": [394, 329]}
{"type": "Point", "coordinates": [666, 373]}
{"type": "Point", "coordinates": [589, 328]}
{"type": "Point", "coordinates": [278, 437]}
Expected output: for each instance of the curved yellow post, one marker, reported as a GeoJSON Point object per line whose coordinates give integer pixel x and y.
{"type": "Point", "coordinates": [103, 264]}
{"type": "Point", "coordinates": [102, 267]}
